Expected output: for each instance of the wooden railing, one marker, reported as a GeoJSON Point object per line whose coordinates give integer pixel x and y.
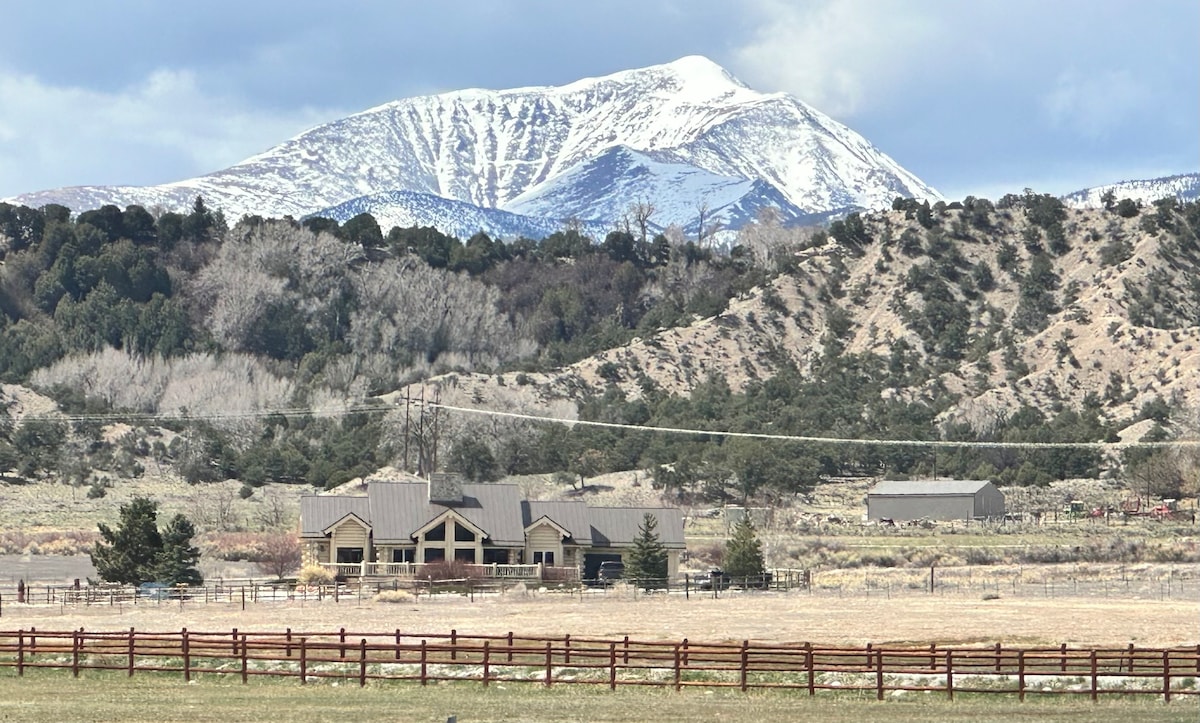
{"type": "Point", "coordinates": [1166, 672]}
{"type": "Point", "coordinates": [414, 569]}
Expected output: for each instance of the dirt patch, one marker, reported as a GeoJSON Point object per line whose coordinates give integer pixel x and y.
{"type": "Point", "coordinates": [782, 617]}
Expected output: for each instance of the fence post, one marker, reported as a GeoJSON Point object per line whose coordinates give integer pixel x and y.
{"type": "Point", "coordinates": [20, 652]}
{"type": "Point", "coordinates": [1062, 659]}
{"type": "Point", "coordinates": [75, 641]}
{"type": "Point", "coordinates": [303, 661]}
{"type": "Point", "coordinates": [287, 648]}
{"type": "Point", "coordinates": [625, 659]}
{"type": "Point", "coordinates": [245, 663]}
{"type": "Point", "coordinates": [397, 643]}
{"type": "Point", "coordinates": [997, 657]}
{"type": "Point", "coordinates": [362, 663]}
{"type": "Point", "coordinates": [1131, 657]}
{"type": "Point", "coordinates": [685, 652]}
{"type": "Point", "coordinates": [612, 666]}
{"type": "Point", "coordinates": [454, 645]}
{"type": "Point", "coordinates": [235, 641]}
{"type": "Point", "coordinates": [510, 641]}
{"type": "Point", "coordinates": [1166, 655]}
{"type": "Point", "coordinates": [131, 647]}
{"type": "Point", "coordinates": [486, 661]}
{"type": "Point", "coordinates": [567, 649]}
{"type": "Point", "coordinates": [549, 661]}
{"type": "Point", "coordinates": [187, 660]}
{"type": "Point", "coordinates": [745, 665]}
{"type": "Point", "coordinates": [1021, 675]}
{"type": "Point", "coordinates": [678, 669]}
{"type": "Point", "coordinates": [424, 662]}
{"type": "Point", "coordinates": [342, 643]}
{"type": "Point", "coordinates": [870, 655]}
{"type": "Point", "coordinates": [1094, 681]}
{"type": "Point", "coordinates": [810, 665]}
{"type": "Point", "coordinates": [879, 674]}
{"type": "Point", "coordinates": [933, 656]}
{"type": "Point", "coordinates": [950, 674]}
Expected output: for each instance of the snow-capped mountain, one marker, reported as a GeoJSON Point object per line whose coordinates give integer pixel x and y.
{"type": "Point", "coordinates": [681, 136]}
{"type": "Point", "coordinates": [1184, 187]}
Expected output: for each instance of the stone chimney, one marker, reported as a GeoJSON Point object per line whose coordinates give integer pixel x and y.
{"type": "Point", "coordinates": [445, 488]}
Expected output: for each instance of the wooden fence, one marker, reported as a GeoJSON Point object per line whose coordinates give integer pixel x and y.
{"type": "Point", "coordinates": [346, 655]}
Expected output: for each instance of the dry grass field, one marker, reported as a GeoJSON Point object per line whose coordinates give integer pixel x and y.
{"type": "Point", "coordinates": [760, 616]}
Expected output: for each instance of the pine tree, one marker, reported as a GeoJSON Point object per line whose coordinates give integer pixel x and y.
{"type": "Point", "coordinates": [129, 553]}
{"type": "Point", "coordinates": [177, 560]}
{"type": "Point", "coordinates": [647, 561]}
{"type": "Point", "coordinates": [136, 552]}
{"type": "Point", "coordinates": [743, 552]}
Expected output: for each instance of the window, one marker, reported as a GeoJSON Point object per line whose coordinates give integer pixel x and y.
{"type": "Point", "coordinates": [462, 534]}
{"type": "Point", "coordinates": [546, 558]}
{"type": "Point", "coordinates": [498, 556]}
{"type": "Point", "coordinates": [465, 554]}
{"type": "Point", "coordinates": [437, 534]}
{"type": "Point", "coordinates": [349, 555]}
{"type": "Point", "coordinates": [405, 554]}
{"type": "Point", "coordinates": [434, 554]}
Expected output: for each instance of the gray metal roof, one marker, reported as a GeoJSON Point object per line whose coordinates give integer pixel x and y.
{"type": "Point", "coordinates": [398, 509]}
{"type": "Point", "coordinates": [395, 510]}
{"type": "Point", "coordinates": [928, 487]}
{"type": "Point", "coordinates": [317, 512]}
{"type": "Point", "coordinates": [619, 526]}
{"type": "Point", "coordinates": [571, 516]}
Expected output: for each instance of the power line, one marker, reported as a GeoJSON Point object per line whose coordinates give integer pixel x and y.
{"type": "Point", "coordinates": [298, 413]}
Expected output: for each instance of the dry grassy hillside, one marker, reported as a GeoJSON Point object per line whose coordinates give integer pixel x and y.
{"type": "Point", "coordinates": [1123, 311]}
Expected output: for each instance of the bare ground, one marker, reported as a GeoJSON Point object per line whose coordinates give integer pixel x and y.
{"type": "Point", "coordinates": [774, 617]}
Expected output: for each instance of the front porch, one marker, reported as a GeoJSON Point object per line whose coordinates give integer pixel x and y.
{"type": "Point", "coordinates": [416, 570]}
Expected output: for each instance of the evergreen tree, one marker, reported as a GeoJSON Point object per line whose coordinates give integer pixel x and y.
{"type": "Point", "coordinates": [647, 561]}
{"type": "Point", "coordinates": [129, 553]}
{"type": "Point", "coordinates": [743, 552]}
{"type": "Point", "coordinates": [177, 560]}
{"type": "Point", "coordinates": [136, 552]}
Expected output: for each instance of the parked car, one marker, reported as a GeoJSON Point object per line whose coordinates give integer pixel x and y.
{"type": "Point", "coordinates": [610, 571]}
{"type": "Point", "coordinates": [713, 579]}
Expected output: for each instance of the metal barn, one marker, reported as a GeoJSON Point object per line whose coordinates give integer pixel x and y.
{"type": "Point", "coordinates": [934, 500]}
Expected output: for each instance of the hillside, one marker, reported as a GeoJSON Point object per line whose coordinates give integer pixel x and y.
{"type": "Point", "coordinates": [315, 353]}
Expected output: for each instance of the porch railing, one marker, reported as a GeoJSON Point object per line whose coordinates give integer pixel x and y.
{"type": "Point", "coordinates": [414, 570]}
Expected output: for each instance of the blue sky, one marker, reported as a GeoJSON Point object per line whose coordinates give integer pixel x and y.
{"type": "Point", "coordinates": [975, 97]}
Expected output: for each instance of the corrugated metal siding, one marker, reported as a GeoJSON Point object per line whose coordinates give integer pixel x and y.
{"type": "Point", "coordinates": [989, 502]}
{"type": "Point", "coordinates": [916, 507]}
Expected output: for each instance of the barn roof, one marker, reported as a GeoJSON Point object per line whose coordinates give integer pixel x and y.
{"type": "Point", "coordinates": [928, 487]}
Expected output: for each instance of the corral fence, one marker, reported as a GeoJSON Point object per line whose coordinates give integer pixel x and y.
{"type": "Point", "coordinates": [399, 656]}
{"type": "Point", "coordinates": [251, 592]}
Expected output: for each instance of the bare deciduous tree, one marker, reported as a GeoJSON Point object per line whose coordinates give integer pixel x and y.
{"type": "Point", "coordinates": [279, 554]}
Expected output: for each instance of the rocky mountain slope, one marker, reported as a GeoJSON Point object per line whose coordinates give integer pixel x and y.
{"type": "Point", "coordinates": [682, 137]}
{"type": "Point", "coordinates": [975, 304]}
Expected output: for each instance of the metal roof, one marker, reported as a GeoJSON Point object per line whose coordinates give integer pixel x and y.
{"type": "Point", "coordinates": [619, 526]}
{"type": "Point", "coordinates": [318, 512]}
{"type": "Point", "coordinates": [395, 510]}
{"type": "Point", "coordinates": [398, 509]}
{"type": "Point", "coordinates": [928, 487]}
{"type": "Point", "coordinates": [571, 516]}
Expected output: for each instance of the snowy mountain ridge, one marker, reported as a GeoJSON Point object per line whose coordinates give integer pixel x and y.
{"type": "Point", "coordinates": [681, 136]}
{"type": "Point", "coordinates": [1183, 187]}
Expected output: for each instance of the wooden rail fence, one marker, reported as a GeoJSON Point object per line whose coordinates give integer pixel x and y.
{"type": "Point", "coordinates": [1166, 672]}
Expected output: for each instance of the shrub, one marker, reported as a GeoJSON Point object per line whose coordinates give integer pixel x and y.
{"type": "Point", "coordinates": [314, 575]}
{"type": "Point", "coordinates": [445, 570]}
{"type": "Point", "coordinates": [394, 596]}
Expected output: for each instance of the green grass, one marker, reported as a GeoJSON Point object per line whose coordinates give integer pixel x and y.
{"type": "Point", "coordinates": [106, 697]}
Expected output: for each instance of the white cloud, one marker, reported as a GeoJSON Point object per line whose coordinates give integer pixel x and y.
{"type": "Point", "coordinates": [837, 55]}
{"type": "Point", "coordinates": [164, 128]}
{"type": "Point", "coordinates": [1094, 105]}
